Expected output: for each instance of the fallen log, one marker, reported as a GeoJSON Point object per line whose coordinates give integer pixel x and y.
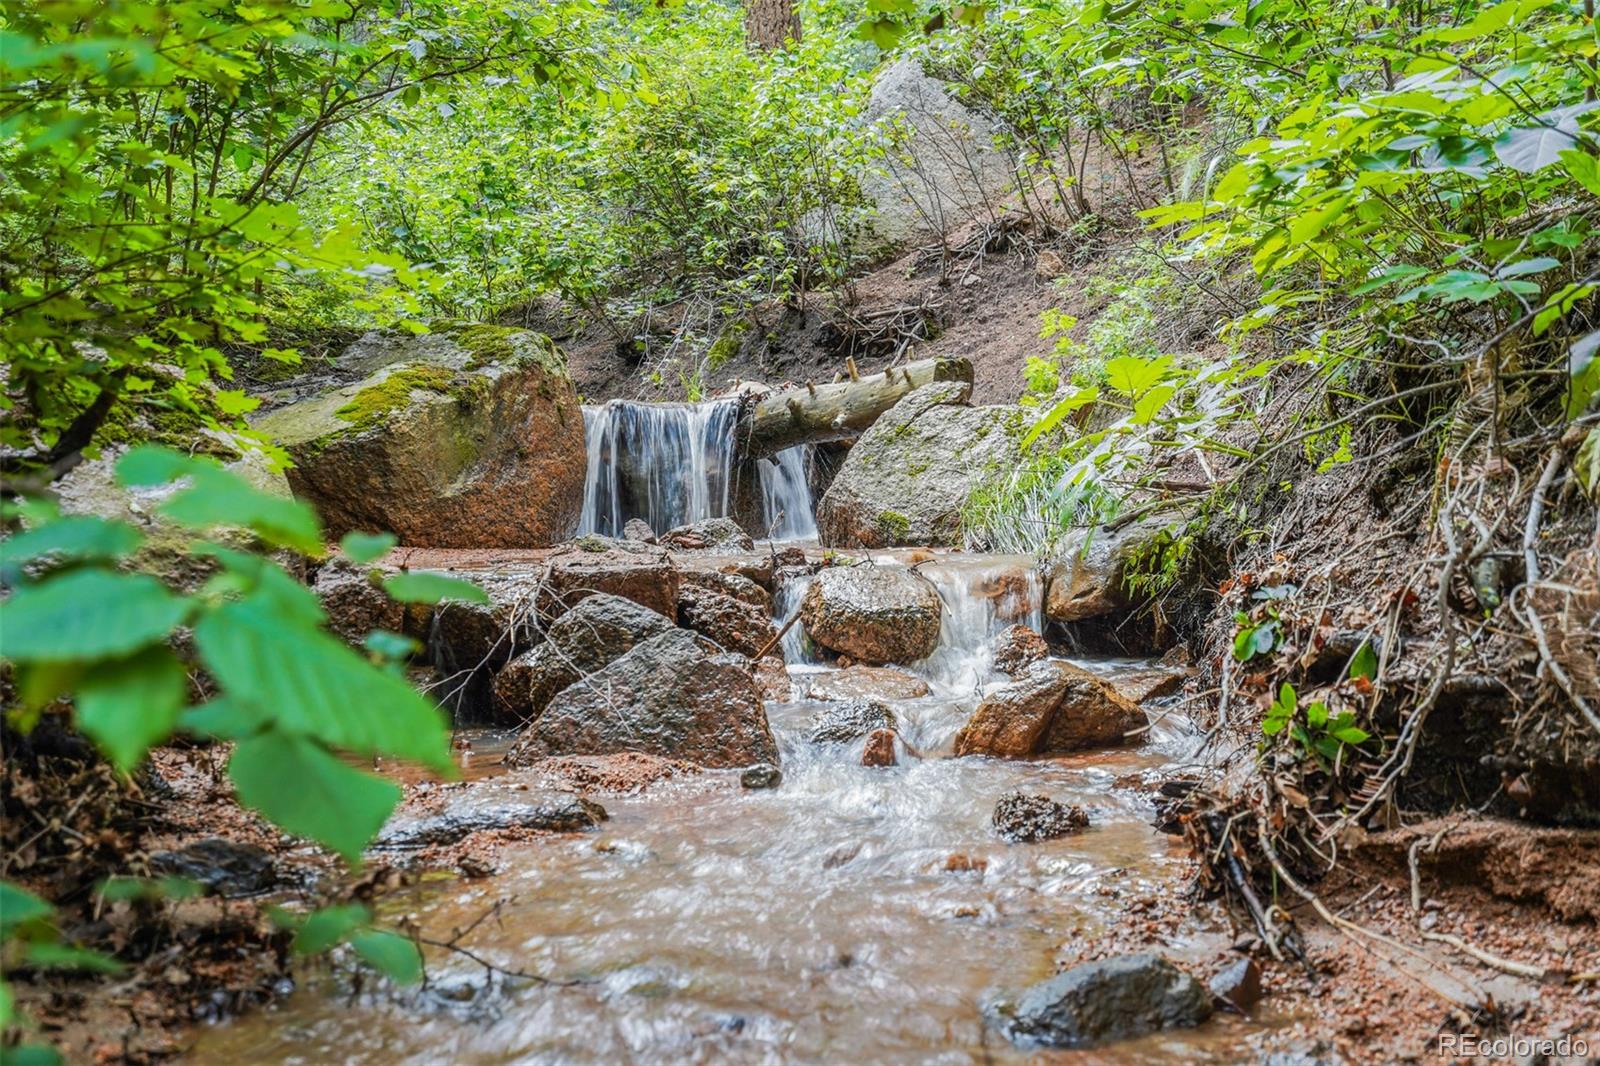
{"type": "Point", "coordinates": [817, 414]}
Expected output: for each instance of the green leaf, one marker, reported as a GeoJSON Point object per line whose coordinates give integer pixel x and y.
{"type": "Point", "coordinates": [329, 927]}
{"type": "Point", "coordinates": [308, 792]}
{"type": "Point", "coordinates": [1131, 375]}
{"type": "Point", "coordinates": [33, 1055]}
{"type": "Point", "coordinates": [422, 587]}
{"type": "Point", "coordinates": [88, 614]}
{"type": "Point", "coordinates": [366, 547]}
{"type": "Point", "coordinates": [1082, 398]}
{"type": "Point", "coordinates": [150, 465]}
{"type": "Point", "coordinates": [1585, 371]}
{"type": "Point", "coordinates": [388, 645]}
{"type": "Point", "coordinates": [1532, 148]}
{"type": "Point", "coordinates": [394, 956]}
{"type": "Point", "coordinates": [313, 685]}
{"type": "Point", "coordinates": [129, 704]}
{"type": "Point", "coordinates": [1364, 663]}
{"type": "Point", "coordinates": [72, 538]}
{"type": "Point", "coordinates": [1150, 404]}
{"type": "Point", "coordinates": [17, 906]}
{"type": "Point", "coordinates": [1309, 226]}
{"type": "Point", "coordinates": [223, 719]}
{"type": "Point", "coordinates": [1317, 714]}
{"type": "Point", "coordinates": [57, 956]}
{"type": "Point", "coordinates": [218, 497]}
{"type": "Point", "coordinates": [1583, 167]}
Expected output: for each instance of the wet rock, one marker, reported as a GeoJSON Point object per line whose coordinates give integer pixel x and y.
{"type": "Point", "coordinates": [1137, 686]}
{"type": "Point", "coordinates": [467, 637]}
{"type": "Point", "coordinates": [1105, 1001]}
{"type": "Point", "coordinates": [762, 775]}
{"type": "Point", "coordinates": [476, 810]}
{"type": "Point", "coordinates": [224, 867]}
{"type": "Point", "coordinates": [732, 624]}
{"type": "Point", "coordinates": [624, 772]}
{"type": "Point", "coordinates": [873, 614]}
{"type": "Point", "coordinates": [732, 583]}
{"type": "Point", "coordinates": [839, 723]}
{"type": "Point", "coordinates": [467, 438]}
{"type": "Point", "coordinates": [355, 605]}
{"type": "Point", "coordinates": [648, 579]}
{"type": "Point", "coordinates": [772, 680]}
{"type": "Point", "coordinates": [597, 631]}
{"type": "Point", "coordinates": [714, 534]}
{"type": "Point", "coordinates": [1024, 819]}
{"type": "Point", "coordinates": [880, 749]}
{"type": "Point", "coordinates": [638, 529]}
{"type": "Point", "coordinates": [1017, 648]}
{"type": "Point", "coordinates": [1053, 707]}
{"type": "Point", "coordinates": [667, 697]}
{"type": "Point", "coordinates": [856, 682]}
{"type": "Point", "coordinates": [959, 863]}
{"type": "Point", "coordinates": [1238, 984]}
{"type": "Point", "coordinates": [1088, 579]}
{"type": "Point", "coordinates": [906, 481]}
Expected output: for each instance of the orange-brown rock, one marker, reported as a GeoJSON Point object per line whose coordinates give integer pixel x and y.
{"type": "Point", "coordinates": [471, 437]}
{"type": "Point", "coordinates": [880, 749]}
{"type": "Point", "coordinates": [1054, 707]}
{"type": "Point", "coordinates": [1017, 648]}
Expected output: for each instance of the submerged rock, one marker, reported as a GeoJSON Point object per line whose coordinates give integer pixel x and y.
{"type": "Point", "coordinates": [880, 749]}
{"type": "Point", "coordinates": [731, 623]}
{"type": "Point", "coordinates": [762, 775]}
{"type": "Point", "coordinates": [1017, 648]}
{"type": "Point", "coordinates": [1053, 707]}
{"type": "Point", "coordinates": [907, 479]}
{"type": "Point", "coordinates": [713, 534]}
{"type": "Point", "coordinates": [597, 631]}
{"type": "Point", "coordinates": [855, 682]}
{"type": "Point", "coordinates": [842, 722]}
{"type": "Point", "coordinates": [667, 696]}
{"type": "Point", "coordinates": [475, 810]}
{"type": "Point", "coordinates": [875, 614]}
{"type": "Point", "coordinates": [1105, 1001]}
{"type": "Point", "coordinates": [467, 438]}
{"type": "Point", "coordinates": [224, 867]}
{"type": "Point", "coordinates": [624, 772]}
{"type": "Point", "coordinates": [1024, 819]}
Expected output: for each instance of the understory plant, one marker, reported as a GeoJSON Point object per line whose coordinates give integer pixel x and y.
{"type": "Point", "coordinates": [242, 658]}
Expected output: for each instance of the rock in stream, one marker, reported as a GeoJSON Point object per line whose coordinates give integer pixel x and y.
{"type": "Point", "coordinates": [1105, 1001]}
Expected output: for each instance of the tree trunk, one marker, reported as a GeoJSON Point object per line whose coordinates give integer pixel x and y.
{"type": "Point", "coordinates": [770, 24]}
{"type": "Point", "coordinates": [842, 411]}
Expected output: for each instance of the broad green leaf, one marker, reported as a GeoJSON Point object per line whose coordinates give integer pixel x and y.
{"type": "Point", "coordinates": [150, 465]}
{"type": "Point", "coordinates": [33, 1055]}
{"type": "Point", "coordinates": [1365, 662]}
{"type": "Point", "coordinates": [1532, 148]}
{"type": "Point", "coordinates": [129, 704]}
{"type": "Point", "coordinates": [1537, 265]}
{"type": "Point", "coordinates": [308, 792]}
{"type": "Point", "coordinates": [366, 547]}
{"type": "Point", "coordinates": [56, 956]}
{"type": "Point", "coordinates": [72, 538]}
{"type": "Point", "coordinates": [1150, 404]}
{"type": "Point", "coordinates": [329, 927]}
{"type": "Point", "coordinates": [1309, 226]}
{"type": "Point", "coordinates": [313, 685]}
{"type": "Point", "coordinates": [222, 718]}
{"type": "Point", "coordinates": [1131, 375]}
{"type": "Point", "coordinates": [1057, 414]}
{"type": "Point", "coordinates": [421, 587]}
{"type": "Point", "coordinates": [1584, 168]}
{"type": "Point", "coordinates": [18, 905]}
{"type": "Point", "coordinates": [88, 614]}
{"type": "Point", "coordinates": [394, 956]}
{"type": "Point", "coordinates": [218, 497]}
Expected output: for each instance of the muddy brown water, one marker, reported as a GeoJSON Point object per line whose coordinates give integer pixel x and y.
{"type": "Point", "coordinates": [812, 923]}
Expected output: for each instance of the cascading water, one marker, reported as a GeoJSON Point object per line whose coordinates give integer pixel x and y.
{"type": "Point", "coordinates": [983, 595]}
{"type": "Point", "coordinates": [786, 495]}
{"type": "Point", "coordinates": [668, 464]}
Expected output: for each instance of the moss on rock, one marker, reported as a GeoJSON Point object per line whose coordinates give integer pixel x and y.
{"type": "Point", "coordinates": [373, 403]}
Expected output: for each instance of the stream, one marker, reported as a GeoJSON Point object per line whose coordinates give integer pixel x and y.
{"type": "Point", "coordinates": [853, 914]}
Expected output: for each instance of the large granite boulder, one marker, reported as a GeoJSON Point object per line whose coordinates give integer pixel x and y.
{"type": "Point", "coordinates": [943, 168]}
{"type": "Point", "coordinates": [1106, 1001]}
{"type": "Point", "coordinates": [874, 614]}
{"type": "Point", "coordinates": [1088, 578]}
{"type": "Point", "coordinates": [599, 630]}
{"type": "Point", "coordinates": [467, 438]}
{"type": "Point", "coordinates": [1053, 707]}
{"type": "Point", "coordinates": [666, 697]}
{"type": "Point", "coordinates": [909, 476]}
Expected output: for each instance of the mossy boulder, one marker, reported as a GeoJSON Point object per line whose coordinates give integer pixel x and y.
{"type": "Point", "coordinates": [467, 437]}
{"type": "Point", "coordinates": [909, 476]}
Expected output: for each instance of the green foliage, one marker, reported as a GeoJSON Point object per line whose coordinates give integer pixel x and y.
{"type": "Point", "coordinates": [1314, 729]}
{"type": "Point", "coordinates": [290, 693]}
{"type": "Point", "coordinates": [29, 938]}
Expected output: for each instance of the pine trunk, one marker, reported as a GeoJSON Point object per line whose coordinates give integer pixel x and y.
{"type": "Point", "coordinates": [770, 24]}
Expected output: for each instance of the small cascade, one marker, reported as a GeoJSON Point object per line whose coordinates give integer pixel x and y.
{"type": "Point", "coordinates": [786, 495]}
{"type": "Point", "coordinates": [797, 647]}
{"type": "Point", "coordinates": [668, 464]}
{"type": "Point", "coordinates": [983, 595]}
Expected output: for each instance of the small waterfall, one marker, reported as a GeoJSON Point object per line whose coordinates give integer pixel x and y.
{"type": "Point", "coordinates": [797, 647]}
{"type": "Point", "coordinates": [669, 464]}
{"type": "Point", "coordinates": [786, 495]}
{"type": "Point", "coordinates": [983, 595]}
